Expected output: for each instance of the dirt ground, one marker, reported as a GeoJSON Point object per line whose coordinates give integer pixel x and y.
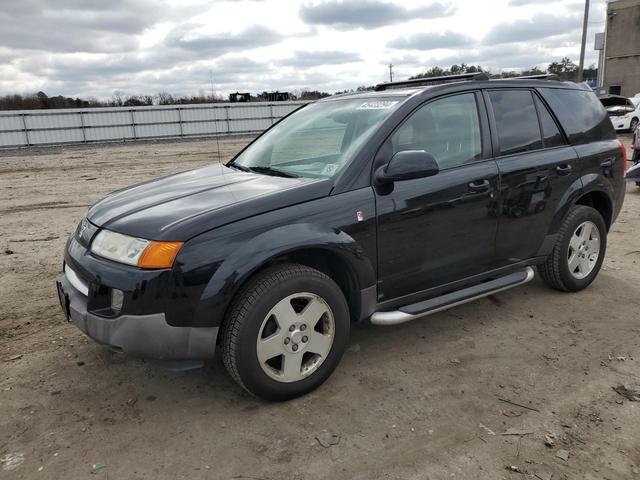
{"type": "Point", "coordinates": [423, 400]}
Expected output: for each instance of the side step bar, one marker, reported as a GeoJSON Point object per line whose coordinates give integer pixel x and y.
{"type": "Point", "coordinates": [437, 304]}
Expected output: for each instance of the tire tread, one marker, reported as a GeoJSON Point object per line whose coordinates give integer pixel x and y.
{"type": "Point", "coordinates": [550, 269]}
{"type": "Point", "coordinates": [244, 300]}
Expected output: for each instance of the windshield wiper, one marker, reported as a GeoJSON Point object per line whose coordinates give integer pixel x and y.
{"type": "Point", "coordinates": [238, 167]}
{"type": "Point", "coordinates": [272, 171]}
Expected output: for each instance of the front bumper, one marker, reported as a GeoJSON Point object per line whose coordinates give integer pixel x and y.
{"type": "Point", "coordinates": [148, 336]}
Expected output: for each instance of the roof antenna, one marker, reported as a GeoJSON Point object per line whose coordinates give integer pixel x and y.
{"type": "Point", "coordinates": [215, 120]}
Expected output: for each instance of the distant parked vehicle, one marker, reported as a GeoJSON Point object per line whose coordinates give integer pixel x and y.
{"type": "Point", "coordinates": [624, 112]}
{"type": "Point", "coordinates": [634, 172]}
{"type": "Point", "coordinates": [635, 145]}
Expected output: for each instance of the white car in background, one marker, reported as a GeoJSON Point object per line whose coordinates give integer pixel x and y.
{"type": "Point", "coordinates": [624, 112]}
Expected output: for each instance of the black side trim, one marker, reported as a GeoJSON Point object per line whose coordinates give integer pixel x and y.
{"type": "Point", "coordinates": [547, 245]}
{"type": "Point", "coordinates": [368, 300]}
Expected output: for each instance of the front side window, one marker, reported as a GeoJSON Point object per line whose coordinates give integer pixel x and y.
{"type": "Point", "coordinates": [516, 121]}
{"type": "Point", "coordinates": [448, 129]}
{"type": "Point", "coordinates": [319, 139]}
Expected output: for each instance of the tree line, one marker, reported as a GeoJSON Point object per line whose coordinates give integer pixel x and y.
{"type": "Point", "coordinates": [41, 100]}
{"type": "Point", "coordinates": [565, 69]}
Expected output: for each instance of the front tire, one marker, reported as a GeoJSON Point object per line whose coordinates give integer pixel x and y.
{"type": "Point", "coordinates": [285, 332]}
{"type": "Point", "coordinates": [579, 251]}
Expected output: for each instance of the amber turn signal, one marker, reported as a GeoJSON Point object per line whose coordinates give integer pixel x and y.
{"type": "Point", "coordinates": [159, 254]}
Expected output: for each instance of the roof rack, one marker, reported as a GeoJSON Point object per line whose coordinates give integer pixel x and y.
{"type": "Point", "coordinates": [419, 82]}
{"type": "Point", "coordinates": [543, 76]}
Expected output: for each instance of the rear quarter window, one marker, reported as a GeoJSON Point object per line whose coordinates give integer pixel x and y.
{"type": "Point", "coordinates": [581, 114]}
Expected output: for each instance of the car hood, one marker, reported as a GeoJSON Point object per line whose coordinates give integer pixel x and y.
{"type": "Point", "coordinates": [617, 106]}
{"type": "Point", "coordinates": [181, 206]}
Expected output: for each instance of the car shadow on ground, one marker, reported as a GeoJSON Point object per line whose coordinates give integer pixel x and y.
{"type": "Point", "coordinates": [451, 333]}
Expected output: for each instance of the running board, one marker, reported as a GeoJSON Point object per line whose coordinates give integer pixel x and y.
{"type": "Point", "coordinates": [437, 304]}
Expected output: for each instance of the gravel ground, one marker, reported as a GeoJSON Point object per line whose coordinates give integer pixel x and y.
{"type": "Point", "coordinates": [468, 393]}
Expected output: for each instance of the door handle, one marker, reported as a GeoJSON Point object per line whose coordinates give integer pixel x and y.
{"type": "Point", "coordinates": [479, 185]}
{"type": "Point", "coordinates": [564, 169]}
{"type": "Point", "coordinates": [608, 163]}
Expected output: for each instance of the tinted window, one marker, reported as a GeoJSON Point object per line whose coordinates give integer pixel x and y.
{"type": "Point", "coordinates": [448, 129]}
{"type": "Point", "coordinates": [319, 139]}
{"type": "Point", "coordinates": [581, 114]}
{"type": "Point", "coordinates": [516, 121]}
{"type": "Point", "coordinates": [550, 132]}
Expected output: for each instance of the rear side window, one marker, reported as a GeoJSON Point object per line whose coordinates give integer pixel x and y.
{"type": "Point", "coordinates": [581, 114]}
{"type": "Point", "coordinates": [516, 121]}
{"type": "Point", "coordinates": [551, 135]}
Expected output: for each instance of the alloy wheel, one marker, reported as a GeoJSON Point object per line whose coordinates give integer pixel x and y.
{"type": "Point", "coordinates": [295, 337]}
{"type": "Point", "coordinates": [584, 250]}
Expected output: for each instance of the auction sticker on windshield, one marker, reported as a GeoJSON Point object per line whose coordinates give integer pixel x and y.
{"type": "Point", "coordinates": [379, 105]}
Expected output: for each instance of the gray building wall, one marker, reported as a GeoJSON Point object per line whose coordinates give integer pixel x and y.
{"type": "Point", "coordinates": [622, 46]}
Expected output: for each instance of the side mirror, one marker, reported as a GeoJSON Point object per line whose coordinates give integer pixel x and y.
{"type": "Point", "coordinates": [407, 165]}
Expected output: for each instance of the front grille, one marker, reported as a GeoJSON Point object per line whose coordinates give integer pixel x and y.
{"type": "Point", "coordinates": [85, 232]}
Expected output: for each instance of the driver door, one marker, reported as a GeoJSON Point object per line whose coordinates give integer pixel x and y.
{"type": "Point", "coordinates": [439, 229]}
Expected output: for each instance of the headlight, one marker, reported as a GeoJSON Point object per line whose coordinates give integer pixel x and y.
{"type": "Point", "coordinates": [135, 251]}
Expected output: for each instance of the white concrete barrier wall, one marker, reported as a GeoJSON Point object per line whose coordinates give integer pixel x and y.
{"type": "Point", "coordinates": [22, 128]}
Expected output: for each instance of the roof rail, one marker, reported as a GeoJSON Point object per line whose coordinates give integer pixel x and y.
{"type": "Point", "coordinates": [543, 76]}
{"type": "Point", "coordinates": [419, 82]}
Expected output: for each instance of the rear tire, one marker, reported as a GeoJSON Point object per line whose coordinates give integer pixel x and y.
{"type": "Point", "coordinates": [285, 332]}
{"type": "Point", "coordinates": [579, 251]}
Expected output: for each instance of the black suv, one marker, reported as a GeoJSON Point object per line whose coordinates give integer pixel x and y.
{"type": "Point", "coordinates": [384, 206]}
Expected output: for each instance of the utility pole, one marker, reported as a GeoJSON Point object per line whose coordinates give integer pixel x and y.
{"type": "Point", "coordinates": [391, 72]}
{"type": "Point", "coordinates": [584, 40]}
{"type": "Point", "coordinates": [211, 81]}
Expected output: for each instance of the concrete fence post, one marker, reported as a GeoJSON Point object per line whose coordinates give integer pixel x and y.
{"type": "Point", "coordinates": [180, 121]}
{"type": "Point", "coordinates": [84, 133]}
{"type": "Point", "coordinates": [133, 125]}
{"type": "Point", "coordinates": [26, 130]}
{"type": "Point", "coordinates": [226, 111]}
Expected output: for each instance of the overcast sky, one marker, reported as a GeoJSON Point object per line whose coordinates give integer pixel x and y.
{"type": "Point", "coordinates": [95, 47]}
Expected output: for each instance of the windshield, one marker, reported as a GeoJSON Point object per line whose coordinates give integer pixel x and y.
{"type": "Point", "coordinates": [317, 140]}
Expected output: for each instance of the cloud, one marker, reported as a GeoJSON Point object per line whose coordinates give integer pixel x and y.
{"type": "Point", "coordinates": [7, 55]}
{"type": "Point", "coordinates": [93, 47]}
{"type": "Point", "coordinates": [218, 43]}
{"type": "Point", "coordinates": [499, 57]}
{"type": "Point", "coordinates": [368, 13]}
{"type": "Point", "coordinates": [302, 59]}
{"type": "Point", "coordinates": [537, 27]}
{"type": "Point", "coordinates": [405, 60]}
{"type": "Point", "coordinates": [430, 41]}
{"type": "Point", "coordinates": [77, 26]}
{"type": "Point", "coordinates": [521, 3]}
{"type": "Point", "coordinates": [82, 68]}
